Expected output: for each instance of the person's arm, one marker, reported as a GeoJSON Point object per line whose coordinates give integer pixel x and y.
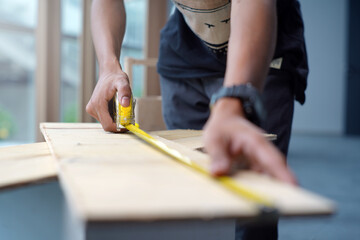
{"type": "Point", "coordinates": [227, 133]}
{"type": "Point", "coordinates": [108, 21]}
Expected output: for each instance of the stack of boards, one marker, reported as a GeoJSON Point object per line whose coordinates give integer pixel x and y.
{"type": "Point", "coordinates": [117, 177]}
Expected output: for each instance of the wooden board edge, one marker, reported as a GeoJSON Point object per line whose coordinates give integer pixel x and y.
{"type": "Point", "coordinates": [25, 183]}
{"type": "Point", "coordinates": [80, 209]}
{"type": "Point", "coordinates": [65, 181]}
{"type": "Point", "coordinates": [62, 125]}
{"type": "Point", "coordinates": [329, 209]}
{"type": "Point", "coordinates": [48, 140]}
{"type": "Point", "coordinates": [21, 153]}
{"type": "Point", "coordinates": [166, 218]}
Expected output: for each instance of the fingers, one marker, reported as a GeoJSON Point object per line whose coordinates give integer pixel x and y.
{"type": "Point", "coordinates": [100, 112]}
{"type": "Point", "coordinates": [104, 91]}
{"type": "Point", "coordinates": [274, 162]}
{"type": "Point", "coordinates": [216, 147]}
{"type": "Point", "coordinates": [263, 156]}
{"type": "Point", "coordinates": [227, 138]}
{"type": "Point", "coordinates": [104, 117]}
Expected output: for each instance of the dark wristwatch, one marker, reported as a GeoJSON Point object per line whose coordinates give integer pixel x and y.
{"type": "Point", "coordinates": [250, 99]}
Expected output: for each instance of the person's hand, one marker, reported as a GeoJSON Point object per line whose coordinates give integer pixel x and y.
{"type": "Point", "coordinates": [229, 137]}
{"type": "Point", "coordinates": [109, 83]}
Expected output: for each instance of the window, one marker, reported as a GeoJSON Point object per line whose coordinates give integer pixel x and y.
{"type": "Point", "coordinates": [17, 68]}
{"type": "Point", "coordinates": [71, 20]}
{"type": "Point", "coordinates": [133, 44]}
{"type": "Point", "coordinates": [19, 114]}
{"type": "Point", "coordinates": [71, 24]}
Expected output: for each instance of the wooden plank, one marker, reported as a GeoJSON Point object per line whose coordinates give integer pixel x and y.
{"type": "Point", "coordinates": [116, 177]}
{"type": "Point", "coordinates": [289, 200]}
{"type": "Point", "coordinates": [26, 164]}
{"type": "Point", "coordinates": [191, 138]}
{"type": "Point", "coordinates": [33, 163]}
{"type": "Point", "coordinates": [107, 177]}
{"type": "Point", "coordinates": [188, 138]}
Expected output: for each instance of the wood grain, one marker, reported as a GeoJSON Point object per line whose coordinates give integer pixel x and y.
{"type": "Point", "coordinates": [33, 163]}
{"type": "Point", "coordinates": [26, 164]}
{"type": "Point", "coordinates": [188, 138]}
{"type": "Point", "coordinates": [118, 177]}
{"type": "Point", "coordinates": [191, 138]}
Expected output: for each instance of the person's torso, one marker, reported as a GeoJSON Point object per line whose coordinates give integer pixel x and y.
{"type": "Point", "coordinates": [194, 41]}
{"type": "Point", "coordinates": [209, 20]}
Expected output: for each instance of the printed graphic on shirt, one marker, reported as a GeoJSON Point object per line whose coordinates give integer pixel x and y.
{"type": "Point", "coordinates": [209, 20]}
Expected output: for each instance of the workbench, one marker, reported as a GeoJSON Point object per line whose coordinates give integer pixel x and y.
{"type": "Point", "coordinates": [118, 187]}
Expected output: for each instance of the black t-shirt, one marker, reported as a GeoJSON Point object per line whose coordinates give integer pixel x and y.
{"type": "Point", "coordinates": [194, 42]}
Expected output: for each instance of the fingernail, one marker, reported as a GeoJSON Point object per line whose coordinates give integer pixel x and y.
{"type": "Point", "coordinates": [125, 101]}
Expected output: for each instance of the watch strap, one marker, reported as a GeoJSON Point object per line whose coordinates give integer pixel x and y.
{"type": "Point", "coordinates": [250, 98]}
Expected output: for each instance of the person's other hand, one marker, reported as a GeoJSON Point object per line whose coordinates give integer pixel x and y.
{"type": "Point", "coordinates": [109, 83]}
{"type": "Point", "coordinates": [229, 137]}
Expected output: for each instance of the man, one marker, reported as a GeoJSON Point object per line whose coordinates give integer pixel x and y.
{"type": "Point", "coordinates": [210, 45]}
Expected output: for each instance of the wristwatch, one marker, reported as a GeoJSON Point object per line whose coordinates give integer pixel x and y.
{"type": "Point", "coordinates": [250, 99]}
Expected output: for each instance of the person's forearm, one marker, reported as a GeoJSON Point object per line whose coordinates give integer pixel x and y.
{"type": "Point", "coordinates": [228, 136]}
{"type": "Point", "coordinates": [252, 41]}
{"type": "Point", "coordinates": [108, 20]}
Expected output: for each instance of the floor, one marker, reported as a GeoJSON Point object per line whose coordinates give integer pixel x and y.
{"type": "Point", "coordinates": [329, 166]}
{"type": "Point", "coordinates": [326, 165]}
{"type": "Point", "coordinates": [32, 213]}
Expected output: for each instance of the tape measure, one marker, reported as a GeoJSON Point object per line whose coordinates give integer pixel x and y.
{"type": "Point", "coordinates": [264, 203]}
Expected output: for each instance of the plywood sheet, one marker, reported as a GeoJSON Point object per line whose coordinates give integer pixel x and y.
{"type": "Point", "coordinates": [32, 163]}
{"type": "Point", "coordinates": [188, 138]}
{"type": "Point", "coordinates": [192, 138]}
{"type": "Point", "coordinates": [25, 164]}
{"type": "Point", "coordinates": [118, 177]}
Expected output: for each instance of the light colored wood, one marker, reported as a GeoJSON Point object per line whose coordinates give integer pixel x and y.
{"type": "Point", "coordinates": [110, 176]}
{"type": "Point", "coordinates": [148, 113]}
{"type": "Point", "coordinates": [47, 81]}
{"type": "Point", "coordinates": [88, 68]}
{"type": "Point", "coordinates": [148, 110]}
{"type": "Point", "coordinates": [129, 62]}
{"type": "Point", "coordinates": [192, 138]}
{"type": "Point", "coordinates": [156, 19]}
{"type": "Point", "coordinates": [188, 138]}
{"type": "Point", "coordinates": [26, 164]}
{"type": "Point", "coordinates": [178, 134]}
{"type": "Point", "coordinates": [32, 163]}
{"type": "Point", "coordinates": [149, 62]}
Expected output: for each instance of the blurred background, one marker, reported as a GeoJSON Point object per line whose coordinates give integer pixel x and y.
{"type": "Point", "coordinates": [18, 25]}
{"type": "Point", "coordinates": [328, 36]}
{"type": "Point", "coordinates": [331, 106]}
{"type": "Point", "coordinates": [324, 150]}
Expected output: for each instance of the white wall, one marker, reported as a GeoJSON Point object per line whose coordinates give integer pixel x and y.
{"type": "Point", "coordinates": [325, 33]}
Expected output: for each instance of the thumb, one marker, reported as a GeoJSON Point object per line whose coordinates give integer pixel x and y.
{"type": "Point", "coordinates": [124, 95]}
